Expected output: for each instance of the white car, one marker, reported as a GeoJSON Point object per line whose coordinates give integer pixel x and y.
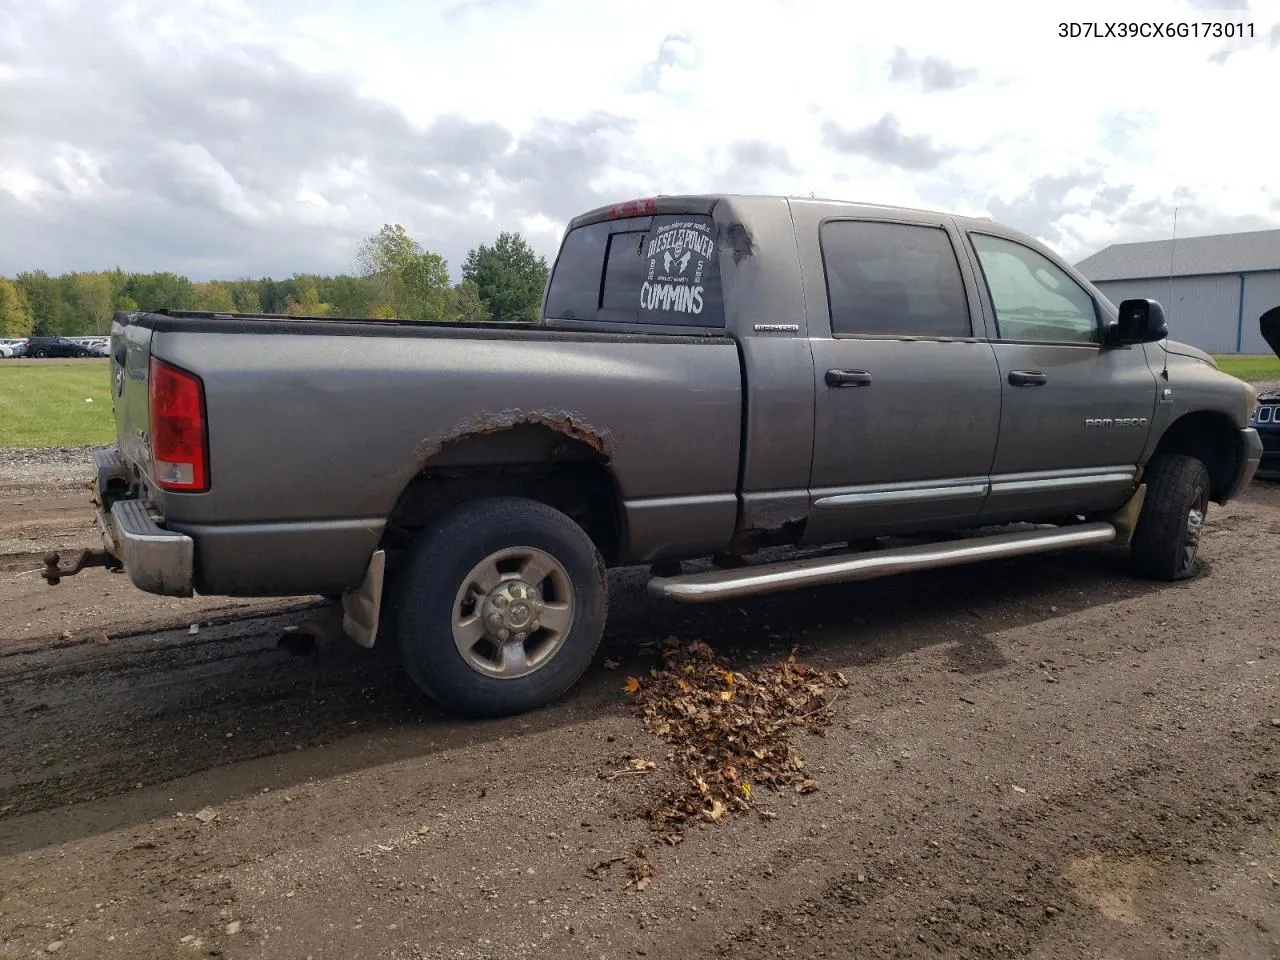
{"type": "Point", "coordinates": [6, 352]}
{"type": "Point", "coordinates": [13, 347]}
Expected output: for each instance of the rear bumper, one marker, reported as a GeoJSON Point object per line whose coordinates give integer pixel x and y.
{"type": "Point", "coordinates": [157, 560]}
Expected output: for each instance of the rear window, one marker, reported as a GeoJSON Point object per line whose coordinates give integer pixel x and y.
{"type": "Point", "coordinates": [661, 271]}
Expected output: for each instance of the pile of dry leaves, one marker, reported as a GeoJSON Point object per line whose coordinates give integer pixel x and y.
{"type": "Point", "coordinates": [731, 731]}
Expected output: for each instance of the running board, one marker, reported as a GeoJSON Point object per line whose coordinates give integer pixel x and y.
{"type": "Point", "coordinates": [816, 571]}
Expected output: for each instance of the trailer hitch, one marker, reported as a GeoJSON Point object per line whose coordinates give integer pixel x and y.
{"type": "Point", "coordinates": [53, 572]}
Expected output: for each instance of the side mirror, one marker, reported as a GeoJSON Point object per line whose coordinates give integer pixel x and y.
{"type": "Point", "coordinates": [1140, 321]}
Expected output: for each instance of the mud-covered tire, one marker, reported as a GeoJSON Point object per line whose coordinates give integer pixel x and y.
{"type": "Point", "coordinates": [451, 608]}
{"type": "Point", "coordinates": [1167, 538]}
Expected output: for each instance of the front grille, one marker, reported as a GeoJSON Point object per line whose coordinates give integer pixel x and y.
{"type": "Point", "coordinates": [1267, 413]}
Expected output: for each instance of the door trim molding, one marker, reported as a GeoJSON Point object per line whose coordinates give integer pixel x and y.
{"type": "Point", "coordinates": [958, 488]}
{"type": "Point", "coordinates": [963, 488]}
{"type": "Point", "coordinates": [1078, 479]}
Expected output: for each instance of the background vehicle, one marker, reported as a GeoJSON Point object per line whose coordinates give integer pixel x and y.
{"type": "Point", "coordinates": [14, 347]}
{"type": "Point", "coordinates": [55, 347]}
{"type": "Point", "coordinates": [712, 376]}
{"type": "Point", "coordinates": [1266, 417]}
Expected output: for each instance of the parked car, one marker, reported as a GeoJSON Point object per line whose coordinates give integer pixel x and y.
{"type": "Point", "coordinates": [712, 376]}
{"type": "Point", "coordinates": [6, 351]}
{"type": "Point", "coordinates": [55, 347]}
{"type": "Point", "coordinates": [13, 347]}
{"type": "Point", "coordinates": [1266, 416]}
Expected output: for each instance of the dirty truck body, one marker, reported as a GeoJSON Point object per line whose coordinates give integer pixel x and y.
{"type": "Point", "coordinates": [713, 376]}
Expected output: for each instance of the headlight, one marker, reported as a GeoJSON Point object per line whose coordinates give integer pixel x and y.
{"type": "Point", "coordinates": [1250, 402]}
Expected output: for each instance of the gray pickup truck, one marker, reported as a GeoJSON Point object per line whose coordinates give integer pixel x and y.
{"type": "Point", "coordinates": [714, 377]}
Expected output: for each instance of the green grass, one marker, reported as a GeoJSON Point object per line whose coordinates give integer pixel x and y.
{"type": "Point", "coordinates": [43, 405]}
{"type": "Point", "coordinates": [1251, 368]}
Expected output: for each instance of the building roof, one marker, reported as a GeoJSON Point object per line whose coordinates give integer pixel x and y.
{"type": "Point", "coordinates": [1192, 256]}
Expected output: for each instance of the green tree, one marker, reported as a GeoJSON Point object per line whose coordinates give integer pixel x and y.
{"type": "Point", "coordinates": [465, 305]}
{"type": "Point", "coordinates": [273, 294]}
{"type": "Point", "coordinates": [509, 276]}
{"type": "Point", "coordinates": [16, 318]}
{"type": "Point", "coordinates": [95, 300]}
{"type": "Point", "coordinates": [215, 296]}
{"type": "Point", "coordinates": [246, 297]}
{"type": "Point", "coordinates": [350, 296]}
{"type": "Point", "coordinates": [48, 304]}
{"type": "Point", "coordinates": [156, 291]}
{"type": "Point", "coordinates": [401, 276]}
{"type": "Point", "coordinates": [307, 303]}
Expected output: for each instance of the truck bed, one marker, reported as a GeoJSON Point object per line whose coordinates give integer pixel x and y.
{"type": "Point", "coordinates": [316, 426]}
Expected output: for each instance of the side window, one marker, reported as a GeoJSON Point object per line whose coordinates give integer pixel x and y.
{"type": "Point", "coordinates": [1033, 298]}
{"type": "Point", "coordinates": [893, 279]}
{"type": "Point", "coordinates": [665, 273]}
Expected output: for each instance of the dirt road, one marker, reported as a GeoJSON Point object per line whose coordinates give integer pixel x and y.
{"type": "Point", "coordinates": [1041, 758]}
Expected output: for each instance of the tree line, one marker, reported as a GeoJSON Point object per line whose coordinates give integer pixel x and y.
{"type": "Point", "coordinates": [395, 278]}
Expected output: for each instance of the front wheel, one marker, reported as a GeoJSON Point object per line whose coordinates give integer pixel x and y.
{"type": "Point", "coordinates": [502, 607]}
{"type": "Point", "coordinates": [41, 354]}
{"type": "Point", "coordinates": [1166, 541]}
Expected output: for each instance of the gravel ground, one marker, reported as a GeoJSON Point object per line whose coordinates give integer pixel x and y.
{"type": "Point", "coordinates": [47, 465]}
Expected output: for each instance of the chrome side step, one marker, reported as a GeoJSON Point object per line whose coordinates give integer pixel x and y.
{"type": "Point", "coordinates": [816, 571]}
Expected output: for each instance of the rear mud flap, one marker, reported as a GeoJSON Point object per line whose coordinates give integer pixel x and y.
{"type": "Point", "coordinates": [362, 608]}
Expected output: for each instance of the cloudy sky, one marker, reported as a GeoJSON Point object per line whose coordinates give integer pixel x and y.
{"type": "Point", "coordinates": [222, 138]}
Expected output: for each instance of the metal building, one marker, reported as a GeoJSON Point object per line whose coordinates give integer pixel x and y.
{"type": "Point", "coordinates": [1213, 289]}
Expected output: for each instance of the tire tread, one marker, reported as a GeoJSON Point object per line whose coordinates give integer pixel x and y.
{"type": "Point", "coordinates": [1172, 483]}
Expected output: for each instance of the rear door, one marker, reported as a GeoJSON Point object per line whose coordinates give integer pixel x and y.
{"type": "Point", "coordinates": [1075, 414]}
{"type": "Point", "coordinates": [908, 394]}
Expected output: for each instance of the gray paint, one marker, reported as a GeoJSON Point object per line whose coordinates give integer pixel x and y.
{"type": "Point", "coordinates": [316, 427]}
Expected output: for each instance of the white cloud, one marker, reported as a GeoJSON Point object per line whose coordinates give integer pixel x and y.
{"type": "Point", "coordinates": [254, 138]}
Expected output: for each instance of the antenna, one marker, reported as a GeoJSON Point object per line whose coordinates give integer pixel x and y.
{"type": "Point", "coordinates": [1173, 245]}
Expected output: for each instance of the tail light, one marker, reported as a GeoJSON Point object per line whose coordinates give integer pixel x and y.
{"type": "Point", "coordinates": [179, 450]}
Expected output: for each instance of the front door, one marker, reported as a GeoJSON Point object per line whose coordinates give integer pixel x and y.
{"type": "Point", "coordinates": [1075, 414]}
{"type": "Point", "coordinates": [908, 398]}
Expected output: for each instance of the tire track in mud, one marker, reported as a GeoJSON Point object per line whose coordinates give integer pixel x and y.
{"type": "Point", "coordinates": [82, 720]}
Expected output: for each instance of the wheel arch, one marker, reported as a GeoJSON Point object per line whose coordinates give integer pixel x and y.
{"type": "Point", "coordinates": [555, 466]}
{"type": "Point", "coordinates": [1212, 438]}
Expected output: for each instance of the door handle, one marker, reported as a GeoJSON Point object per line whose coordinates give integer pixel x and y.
{"type": "Point", "coordinates": [848, 378]}
{"type": "Point", "coordinates": [1028, 378]}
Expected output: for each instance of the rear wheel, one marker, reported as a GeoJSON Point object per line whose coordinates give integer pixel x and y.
{"type": "Point", "coordinates": [1166, 541]}
{"type": "Point", "coordinates": [502, 607]}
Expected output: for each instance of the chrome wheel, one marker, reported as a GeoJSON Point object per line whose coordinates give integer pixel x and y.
{"type": "Point", "coordinates": [512, 612]}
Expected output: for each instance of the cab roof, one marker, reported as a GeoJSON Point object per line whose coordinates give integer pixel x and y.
{"type": "Point", "coordinates": [705, 203]}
